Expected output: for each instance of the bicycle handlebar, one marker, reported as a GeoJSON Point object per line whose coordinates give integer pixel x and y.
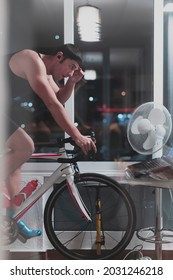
{"type": "Point", "coordinates": [77, 152]}
{"type": "Point", "coordinates": [62, 141]}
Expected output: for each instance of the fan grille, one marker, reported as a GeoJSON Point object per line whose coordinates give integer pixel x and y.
{"type": "Point", "coordinates": [137, 140]}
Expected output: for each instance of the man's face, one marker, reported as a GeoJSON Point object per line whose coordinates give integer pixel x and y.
{"type": "Point", "coordinates": [64, 69]}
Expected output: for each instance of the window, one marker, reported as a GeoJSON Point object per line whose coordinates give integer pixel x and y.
{"type": "Point", "coordinates": [123, 65]}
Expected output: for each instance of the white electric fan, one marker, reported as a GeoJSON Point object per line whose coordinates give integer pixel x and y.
{"type": "Point", "coordinates": [149, 128]}
{"type": "Point", "coordinates": [148, 131]}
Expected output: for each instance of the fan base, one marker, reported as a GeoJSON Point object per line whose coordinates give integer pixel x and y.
{"type": "Point", "coordinates": [152, 235]}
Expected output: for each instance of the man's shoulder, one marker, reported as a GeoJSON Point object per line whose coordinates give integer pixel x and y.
{"type": "Point", "coordinates": [25, 56]}
{"type": "Point", "coordinates": [25, 62]}
{"type": "Point", "coordinates": [26, 53]}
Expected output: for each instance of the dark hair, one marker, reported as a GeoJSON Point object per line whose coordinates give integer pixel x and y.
{"type": "Point", "coordinates": [69, 50]}
{"type": "Point", "coordinates": [72, 52]}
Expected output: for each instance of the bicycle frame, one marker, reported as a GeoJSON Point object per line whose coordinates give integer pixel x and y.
{"type": "Point", "coordinates": [64, 169]}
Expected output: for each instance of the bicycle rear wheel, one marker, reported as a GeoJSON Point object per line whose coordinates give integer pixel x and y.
{"type": "Point", "coordinates": [72, 235]}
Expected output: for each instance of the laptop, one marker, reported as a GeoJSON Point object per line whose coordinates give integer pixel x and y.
{"type": "Point", "coordinates": [157, 168]}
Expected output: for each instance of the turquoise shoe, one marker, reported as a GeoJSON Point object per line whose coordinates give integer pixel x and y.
{"type": "Point", "coordinates": [27, 232]}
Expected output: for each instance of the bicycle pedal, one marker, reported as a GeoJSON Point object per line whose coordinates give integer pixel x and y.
{"type": "Point", "coordinates": [22, 238]}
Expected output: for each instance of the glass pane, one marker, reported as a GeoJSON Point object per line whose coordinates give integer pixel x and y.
{"type": "Point", "coordinates": [36, 25]}
{"type": "Point", "coordinates": [168, 63]}
{"type": "Point", "coordinates": [123, 64]}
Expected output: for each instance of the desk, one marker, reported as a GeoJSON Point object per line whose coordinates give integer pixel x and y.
{"type": "Point", "coordinates": [159, 235]}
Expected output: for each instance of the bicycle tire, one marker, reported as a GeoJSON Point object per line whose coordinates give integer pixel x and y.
{"type": "Point", "coordinates": [69, 232]}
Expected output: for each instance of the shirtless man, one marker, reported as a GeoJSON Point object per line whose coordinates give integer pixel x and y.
{"type": "Point", "coordinates": [42, 72]}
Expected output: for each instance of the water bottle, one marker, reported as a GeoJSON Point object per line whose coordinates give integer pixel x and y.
{"type": "Point", "coordinates": [25, 192]}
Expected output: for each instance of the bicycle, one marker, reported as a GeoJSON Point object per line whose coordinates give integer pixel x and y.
{"type": "Point", "coordinates": [87, 216]}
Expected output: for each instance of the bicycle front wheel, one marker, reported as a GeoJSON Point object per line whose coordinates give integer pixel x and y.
{"type": "Point", "coordinates": [73, 236]}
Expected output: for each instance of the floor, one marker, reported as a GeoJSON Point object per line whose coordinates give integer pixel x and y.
{"type": "Point", "coordinates": [54, 255]}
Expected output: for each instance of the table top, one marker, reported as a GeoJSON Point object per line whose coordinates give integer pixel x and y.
{"type": "Point", "coordinates": [166, 184]}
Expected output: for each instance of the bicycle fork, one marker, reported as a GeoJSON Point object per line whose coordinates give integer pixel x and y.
{"type": "Point", "coordinates": [76, 195]}
{"type": "Point", "coordinates": [100, 239]}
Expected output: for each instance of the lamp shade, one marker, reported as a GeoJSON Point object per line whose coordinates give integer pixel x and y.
{"type": "Point", "coordinates": [89, 23]}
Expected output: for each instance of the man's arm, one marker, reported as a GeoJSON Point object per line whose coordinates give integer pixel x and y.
{"type": "Point", "coordinates": [45, 92]}
{"type": "Point", "coordinates": [42, 88]}
{"type": "Point", "coordinates": [65, 92]}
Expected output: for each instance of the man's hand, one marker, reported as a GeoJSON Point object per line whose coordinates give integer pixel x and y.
{"type": "Point", "coordinates": [86, 144]}
{"type": "Point", "coordinates": [77, 76]}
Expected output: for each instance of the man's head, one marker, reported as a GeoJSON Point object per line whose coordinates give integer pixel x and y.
{"type": "Point", "coordinates": [72, 52]}
{"type": "Point", "coordinates": [69, 51]}
{"type": "Point", "coordinates": [65, 60]}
